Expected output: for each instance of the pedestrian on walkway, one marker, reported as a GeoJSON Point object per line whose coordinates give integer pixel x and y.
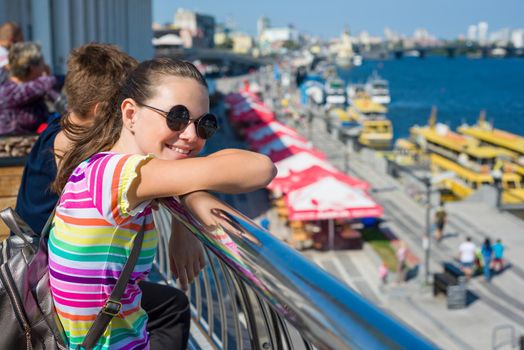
{"type": "Point", "coordinates": [401, 261]}
{"type": "Point", "coordinates": [383, 273]}
{"type": "Point", "coordinates": [498, 252]}
{"type": "Point", "coordinates": [467, 256]}
{"type": "Point", "coordinates": [487, 254]}
{"type": "Point", "coordinates": [440, 221]}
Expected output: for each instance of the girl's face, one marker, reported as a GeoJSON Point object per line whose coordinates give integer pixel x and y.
{"type": "Point", "coordinates": [149, 128]}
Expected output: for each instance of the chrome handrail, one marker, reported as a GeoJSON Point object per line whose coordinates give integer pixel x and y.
{"type": "Point", "coordinates": [265, 295]}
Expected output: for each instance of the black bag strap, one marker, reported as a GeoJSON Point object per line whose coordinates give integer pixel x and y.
{"type": "Point", "coordinates": [113, 304]}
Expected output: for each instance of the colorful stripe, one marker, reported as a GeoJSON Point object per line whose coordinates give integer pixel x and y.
{"type": "Point", "coordinates": [89, 244]}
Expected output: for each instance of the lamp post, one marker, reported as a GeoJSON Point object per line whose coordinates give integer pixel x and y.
{"type": "Point", "coordinates": [426, 242]}
{"type": "Point", "coordinates": [497, 179]}
{"type": "Point", "coordinates": [393, 169]}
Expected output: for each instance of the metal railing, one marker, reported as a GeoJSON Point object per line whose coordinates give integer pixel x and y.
{"type": "Point", "coordinates": [257, 293]}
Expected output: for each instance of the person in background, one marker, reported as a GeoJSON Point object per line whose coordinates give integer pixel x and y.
{"type": "Point", "coordinates": [498, 256]}
{"type": "Point", "coordinates": [23, 95]}
{"type": "Point", "coordinates": [467, 256]}
{"type": "Point", "coordinates": [440, 221]}
{"type": "Point", "coordinates": [383, 273]}
{"type": "Point", "coordinates": [487, 254]}
{"type": "Point", "coordinates": [401, 261]}
{"type": "Point", "coordinates": [10, 33]}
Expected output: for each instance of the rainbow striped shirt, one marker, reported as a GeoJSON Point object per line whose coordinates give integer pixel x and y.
{"type": "Point", "coordinates": [89, 244]}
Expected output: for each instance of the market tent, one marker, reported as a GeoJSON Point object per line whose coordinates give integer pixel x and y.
{"type": "Point", "coordinates": [251, 112]}
{"type": "Point", "coordinates": [260, 131]}
{"type": "Point", "coordinates": [271, 137]}
{"type": "Point", "coordinates": [330, 198]}
{"type": "Point", "coordinates": [296, 180]}
{"type": "Point", "coordinates": [283, 143]}
{"type": "Point", "coordinates": [235, 98]}
{"type": "Point", "coordinates": [300, 162]}
{"type": "Point", "coordinates": [291, 150]}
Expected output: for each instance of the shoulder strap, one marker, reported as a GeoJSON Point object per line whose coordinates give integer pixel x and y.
{"type": "Point", "coordinates": [113, 305]}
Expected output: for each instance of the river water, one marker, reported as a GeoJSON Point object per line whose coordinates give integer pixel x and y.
{"type": "Point", "coordinates": [460, 87]}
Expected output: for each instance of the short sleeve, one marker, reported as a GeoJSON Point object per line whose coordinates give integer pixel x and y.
{"type": "Point", "coordinates": [109, 178]}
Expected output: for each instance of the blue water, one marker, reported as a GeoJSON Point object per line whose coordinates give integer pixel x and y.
{"type": "Point", "coordinates": [459, 87]}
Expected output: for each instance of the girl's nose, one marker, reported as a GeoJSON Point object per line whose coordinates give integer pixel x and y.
{"type": "Point", "coordinates": [189, 133]}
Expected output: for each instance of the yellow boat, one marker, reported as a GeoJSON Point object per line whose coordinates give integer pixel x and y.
{"type": "Point", "coordinates": [514, 144]}
{"type": "Point", "coordinates": [485, 132]}
{"type": "Point", "coordinates": [466, 181]}
{"type": "Point", "coordinates": [377, 130]}
{"type": "Point", "coordinates": [471, 162]}
{"type": "Point", "coordinates": [376, 133]}
{"type": "Point", "coordinates": [406, 152]}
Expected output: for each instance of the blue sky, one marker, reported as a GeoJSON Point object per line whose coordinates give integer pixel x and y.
{"type": "Point", "coordinates": [327, 18]}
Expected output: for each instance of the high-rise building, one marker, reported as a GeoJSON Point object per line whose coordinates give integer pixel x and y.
{"type": "Point", "coordinates": [472, 33]}
{"type": "Point", "coordinates": [263, 23]}
{"type": "Point", "coordinates": [197, 30]}
{"type": "Point", "coordinates": [517, 38]}
{"type": "Point", "coordinates": [482, 33]}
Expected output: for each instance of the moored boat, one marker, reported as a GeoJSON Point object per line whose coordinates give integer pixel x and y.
{"type": "Point", "coordinates": [378, 89]}
{"type": "Point", "coordinates": [471, 163]}
{"type": "Point", "coordinates": [377, 130]}
{"type": "Point", "coordinates": [487, 134]}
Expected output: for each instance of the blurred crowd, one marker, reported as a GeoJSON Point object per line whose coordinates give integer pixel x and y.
{"type": "Point", "coordinates": [29, 92]}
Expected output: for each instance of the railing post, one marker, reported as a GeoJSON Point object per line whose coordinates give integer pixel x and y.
{"type": "Point", "coordinates": [427, 239]}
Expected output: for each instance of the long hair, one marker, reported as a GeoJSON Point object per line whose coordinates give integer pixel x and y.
{"type": "Point", "coordinates": [105, 131]}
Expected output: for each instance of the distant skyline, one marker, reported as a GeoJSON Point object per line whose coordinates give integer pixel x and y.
{"type": "Point", "coordinates": [443, 18]}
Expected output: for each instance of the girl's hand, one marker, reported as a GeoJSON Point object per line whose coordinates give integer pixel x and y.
{"type": "Point", "coordinates": [186, 254]}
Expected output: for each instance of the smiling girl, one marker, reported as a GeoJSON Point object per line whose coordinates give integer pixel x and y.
{"type": "Point", "coordinates": [147, 150]}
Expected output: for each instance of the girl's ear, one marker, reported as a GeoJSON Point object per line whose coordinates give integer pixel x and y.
{"type": "Point", "coordinates": [129, 113]}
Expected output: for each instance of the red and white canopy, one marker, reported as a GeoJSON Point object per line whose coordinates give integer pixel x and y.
{"type": "Point", "coordinates": [300, 162]}
{"type": "Point", "coordinates": [260, 131]}
{"type": "Point", "coordinates": [282, 143]}
{"type": "Point", "coordinates": [252, 112]}
{"type": "Point", "coordinates": [313, 174]}
{"type": "Point", "coordinates": [239, 97]}
{"type": "Point", "coordinates": [271, 137]}
{"type": "Point", "coordinates": [330, 198]}
{"type": "Point", "coordinates": [291, 150]}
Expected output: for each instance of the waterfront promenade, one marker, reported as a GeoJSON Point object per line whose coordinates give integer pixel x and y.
{"type": "Point", "coordinates": [490, 305]}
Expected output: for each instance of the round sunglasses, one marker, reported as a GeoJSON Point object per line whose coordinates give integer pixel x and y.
{"type": "Point", "coordinates": [178, 119]}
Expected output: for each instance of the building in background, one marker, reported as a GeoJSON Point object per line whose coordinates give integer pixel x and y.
{"type": "Point", "coordinates": [482, 33]}
{"type": "Point", "coordinates": [274, 39]}
{"type": "Point", "coordinates": [263, 23]}
{"type": "Point", "coordinates": [242, 43]}
{"type": "Point", "coordinates": [517, 38]}
{"type": "Point", "coordinates": [61, 25]}
{"type": "Point", "coordinates": [196, 30]}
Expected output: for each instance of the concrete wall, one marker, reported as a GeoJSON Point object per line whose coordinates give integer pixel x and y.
{"type": "Point", "coordinates": [61, 25]}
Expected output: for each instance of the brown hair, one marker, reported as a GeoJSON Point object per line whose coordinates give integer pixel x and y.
{"type": "Point", "coordinates": [23, 56]}
{"type": "Point", "coordinates": [105, 131]}
{"type": "Point", "coordinates": [10, 33]}
{"type": "Point", "coordinates": [95, 74]}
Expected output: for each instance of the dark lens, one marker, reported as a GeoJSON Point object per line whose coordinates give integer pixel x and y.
{"type": "Point", "coordinates": [178, 118]}
{"type": "Point", "coordinates": [207, 126]}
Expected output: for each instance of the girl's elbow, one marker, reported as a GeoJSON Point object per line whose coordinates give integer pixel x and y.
{"type": "Point", "coordinates": [268, 170]}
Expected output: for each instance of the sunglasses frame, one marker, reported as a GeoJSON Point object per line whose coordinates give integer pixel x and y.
{"type": "Point", "coordinates": [189, 120]}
